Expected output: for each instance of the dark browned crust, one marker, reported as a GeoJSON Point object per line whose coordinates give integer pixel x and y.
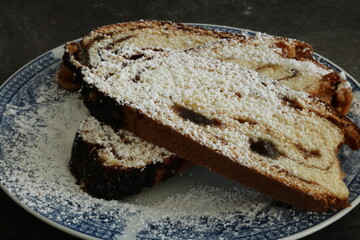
{"type": "Point", "coordinates": [69, 71]}
{"type": "Point", "coordinates": [153, 131]}
{"type": "Point", "coordinates": [73, 57]}
{"type": "Point", "coordinates": [117, 182]}
{"type": "Point", "coordinates": [67, 78]}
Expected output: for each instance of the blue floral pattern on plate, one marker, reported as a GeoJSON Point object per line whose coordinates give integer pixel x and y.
{"type": "Point", "coordinates": [38, 121]}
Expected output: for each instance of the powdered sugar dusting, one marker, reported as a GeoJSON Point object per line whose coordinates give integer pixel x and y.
{"type": "Point", "coordinates": [167, 36]}
{"type": "Point", "coordinates": [39, 136]}
{"type": "Point", "coordinates": [157, 81]}
{"type": "Point", "coordinates": [120, 147]}
{"type": "Point", "coordinates": [37, 130]}
{"type": "Point", "coordinates": [257, 53]}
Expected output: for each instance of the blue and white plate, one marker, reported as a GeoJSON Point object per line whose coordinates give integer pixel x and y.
{"type": "Point", "coordinates": [38, 121]}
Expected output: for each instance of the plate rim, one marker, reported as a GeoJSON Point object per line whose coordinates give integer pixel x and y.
{"type": "Point", "coordinates": [57, 53]}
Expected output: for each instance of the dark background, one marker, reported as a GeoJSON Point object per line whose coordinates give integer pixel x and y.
{"type": "Point", "coordinates": [29, 28]}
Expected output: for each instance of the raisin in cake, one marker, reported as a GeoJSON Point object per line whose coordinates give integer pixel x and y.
{"type": "Point", "coordinates": [234, 121]}
{"type": "Point", "coordinates": [113, 164]}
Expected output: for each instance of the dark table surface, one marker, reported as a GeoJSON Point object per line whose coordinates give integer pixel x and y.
{"type": "Point", "coordinates": [30, 28]}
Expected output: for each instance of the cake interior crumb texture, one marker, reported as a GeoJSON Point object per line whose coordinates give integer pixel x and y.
{"type": "Point", "coordinates": [238, 112]}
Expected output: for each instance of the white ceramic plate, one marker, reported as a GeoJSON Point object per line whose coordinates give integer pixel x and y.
{"type": "Point", "coordinates": [37, 127]}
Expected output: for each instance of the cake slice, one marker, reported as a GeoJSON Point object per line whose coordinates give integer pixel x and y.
{"type": "Point", "coordinates": [234, 121]}
{"type": "Point", "coordinates": [267, 55]}
{"type": "Point", "coordinates": [177, 36]}
{"type": "Point", "coordinates": [287, 60]}
{"type": "Point", "coordinates": [113, 164]}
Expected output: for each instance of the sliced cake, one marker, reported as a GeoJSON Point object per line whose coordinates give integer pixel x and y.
{"type": "Point", "coordinates": [234, 121]}
{"type": "Point", "coordinates": [113, 164]}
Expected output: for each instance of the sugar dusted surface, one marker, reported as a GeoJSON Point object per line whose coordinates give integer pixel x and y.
{"type": "Point", "coordinates": [262, 54]}
{"type": "Point", "coordinates": [120, 147]}
{"type": "Point", "coordinates": [158, 81]}
{"type": "Point", "coordinates": [38, 127]}
{"type": "Point", "coordinates": [258, 52]}
{"type": "Point", "coordinates": [40, 134]}
{"type": "Point", "coordinates": [156, 37]}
